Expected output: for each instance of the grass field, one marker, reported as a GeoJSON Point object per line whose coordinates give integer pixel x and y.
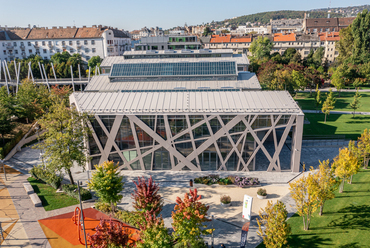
{"type": "Point", "coordinates": [336, 124]}
{"type": "Point", "coordinates": [48, 196]}
{"type": "Point", "coordinates": [345, 222]}
{"type": "Point", "coordinates": [342, 104]}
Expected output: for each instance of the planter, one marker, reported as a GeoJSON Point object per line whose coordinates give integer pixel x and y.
{"type": "Point", "coordinates": [261, 196]}
{"type": "Point", "coordinates": [226, 204]}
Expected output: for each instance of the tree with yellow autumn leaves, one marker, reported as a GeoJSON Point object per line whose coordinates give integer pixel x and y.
{"type": "Point", "coordinates": [274, 220]}
{"type": "Point", "coordinates": [304, 192]}
{"type": "Point", "coordinates": [345, 165]}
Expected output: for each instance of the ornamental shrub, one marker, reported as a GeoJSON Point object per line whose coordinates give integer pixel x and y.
{"type": "Point", "coordinates": [225, 199]}
{"type": "Point", "coordinates": [46, 176]}
{"type": "Point", "coordinates": [188, 220]}
{"type": "Point", "coordinates": [107, 183]}
{"type": "Point", "coordinates": [109, 233]}
{"type": "Point", "coordinates": [146, 196]}
{"type": "Point", "coordinates": [262, 192]}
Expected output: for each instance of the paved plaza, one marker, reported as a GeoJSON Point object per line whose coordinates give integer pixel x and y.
{"type": "Point", "coordinates": [227, 221]}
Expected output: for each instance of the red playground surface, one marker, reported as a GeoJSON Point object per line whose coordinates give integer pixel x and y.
{"type": "Point", "coordinates": [62, 231]}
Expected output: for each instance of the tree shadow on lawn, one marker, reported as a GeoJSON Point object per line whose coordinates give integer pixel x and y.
{"type": "Point", "coordinates": [350, 245]}
{"type": "Point", "coordinates": [355, 217]}
{"type": "Point", "coordinates": [359, 119]}
{"type": "Point", "coordinates": [309, 242]}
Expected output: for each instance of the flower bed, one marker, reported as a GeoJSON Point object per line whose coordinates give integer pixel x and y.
{"type": "Point", "coordinates": [230, 180]}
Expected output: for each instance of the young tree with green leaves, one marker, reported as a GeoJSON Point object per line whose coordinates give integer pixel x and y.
{"type": "Point", "coordinates": [274, 219]}
{"type": "Point", "coordinates": [261, 48]}
{"type": "Point", "coordinates": [188, 220]}
{"type": "Point", "coordinates": [107, 183]}
{"type": "Point", "coordinates": [325, 183]}
{"type": "Point", "coordinates": [63, 141]}
{"type": "Point", "coordinates": [31, 100]}
{"type": "Point", "coordinates": [94, 62]}
{"type": "Point", "coordinates": [361, 38]}
{"type": "Point", "coordinates": [304, 193]}
{"type": "Point", "coordinates": [328, 105]}
{"type": "Point", "coordinates": [345, 165]}
{"type": "Point", "coordinates": [6, 124]}
{"type": "Point", "coordinates": [355, 104]}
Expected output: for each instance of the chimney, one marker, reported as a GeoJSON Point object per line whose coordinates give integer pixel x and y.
{"type": "Point", "coordinates": [54, 27]}
{"type": "Point", "coordinates": [100, 26]}
{"type": "Point", "coordinates": [83, 26]}
{"type": "Point", "coordinates": [60, 27]}
{"type": "Point", "coordinates": [68, 26]}
{"type": "Point", "coordinates": [94, 26]}
{"type": "Point", "coordinates": [74, 26]}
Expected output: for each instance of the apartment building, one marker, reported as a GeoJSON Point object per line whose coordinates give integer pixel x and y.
{"type": "Point", "coordinates": [317, 25]}
{"type": "Point", "coordinates": [92, 41]}
{"type": "Point", "coordinates": [302, 42]}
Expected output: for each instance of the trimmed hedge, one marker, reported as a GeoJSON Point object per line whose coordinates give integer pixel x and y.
{"type": "Point", "coordinates": [11, 144]}
{"type": "Point", "coordinates": [69, 189]}
{"type": "Point", "coordinates": [46, 176]}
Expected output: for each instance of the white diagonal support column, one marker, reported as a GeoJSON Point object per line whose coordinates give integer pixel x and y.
{"type": "Point", "coordinates": [297, 144]}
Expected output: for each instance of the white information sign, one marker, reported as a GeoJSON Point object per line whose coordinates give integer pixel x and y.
{"type": "Point", "coordinates": [247, 207]}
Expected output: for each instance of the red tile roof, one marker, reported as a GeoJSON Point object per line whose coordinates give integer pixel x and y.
{"type": "Point", "coordinates": [284, 37]}
{"type": "Point", "coordinates": [325, 36]}
{"type": "Point", "coordinates": [220, 38]}
{"type": "Point", "coordinates": [241, 39]}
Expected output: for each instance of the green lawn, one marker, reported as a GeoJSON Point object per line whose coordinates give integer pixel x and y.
{"type": "Point", "coordinates": [342, 104]}
{"type": "Point", "coordinates": [345, 222]}
{"type": "Point", "coordinates": [336, 124]}
{"type": "Point", "coordinates": [48, 196]}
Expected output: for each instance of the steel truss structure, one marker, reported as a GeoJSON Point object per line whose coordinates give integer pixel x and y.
{"type": "Point", "coordinates": [193, 142]}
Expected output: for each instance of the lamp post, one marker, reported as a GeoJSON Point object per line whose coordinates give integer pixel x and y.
{"type": "Point", "coordinates": [212, 243]}
{"type": "Point", "coordinates": [82, 214]}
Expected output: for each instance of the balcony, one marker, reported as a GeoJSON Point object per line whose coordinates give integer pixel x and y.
{"type": "Point", "coordinates": [9, 46]}
{"type": "Point", "coordinates": [79, 46]}
{"type": "Point", "coordinates": [64, 46]}
{"type": "Point", "coordinates": [23, 54]}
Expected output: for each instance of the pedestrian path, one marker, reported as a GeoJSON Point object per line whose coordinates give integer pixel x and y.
{"type": "Point", "coordinates": [336, 112]}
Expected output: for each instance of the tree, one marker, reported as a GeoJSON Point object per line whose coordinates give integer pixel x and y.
{"type": "Point", "coordinates": [146, 196]}
{"type": "Point", "coordinates": [317, 57]}
{"type": "Point", "coordinates": [338, 79]}
{"type": "Point", "coordinates": [32, 100]}
{"type": "Point", "coordinates": [107, 183]}
{"type": "Point", "coordinates": [318, 100]}
{"type": "Point", "coordinates": [261, 47]}
{"type": "Point", "coordinates": [110, 233]}
{"type": "Point", "coordinates": [344, 45]}
{"type": "Point", "coordinates": [304, 194]}
{"type": "Point", "coordinates": [63, 143]}
{"type": "Point", "coordinates": [288, 55]}
{"type": "Point", "coordinates": [356, 102]}
{"type": "Point", "coordinates": [328, 104]}
{"type": "Point", "coordinates": [361, 38]}
{"type": "Point", "coordinates": [94, 62]}
{"type": "Point", "coordinates": [277, 230]}
{"type": "Point", "coordinates": [363, 146]}
{"type": "Point", "coordinates": [6, 124]}
{"type": "Point", "coordinates": [345, 165]}
{"type": "Point", "coordinates": [207, 31]}
{"type": "Point", "coordinates": [153, 233]}
{"type": "Point", "coordinates": [188, 219]}
{"type": "Point", "coordinates": [299, 79]}
{"type": "Point", "coordinates": [325, 184]}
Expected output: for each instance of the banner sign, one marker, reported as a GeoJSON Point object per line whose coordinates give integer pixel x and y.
{"type": "Point", "coordinates": [247, 207]}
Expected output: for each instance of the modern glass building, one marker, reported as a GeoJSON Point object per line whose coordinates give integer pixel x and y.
{"type": "Point", "coordinates": [192, 124]}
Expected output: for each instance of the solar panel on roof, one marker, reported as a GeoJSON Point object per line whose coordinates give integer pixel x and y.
{"type": "Point", "coordinates": [174, 69]}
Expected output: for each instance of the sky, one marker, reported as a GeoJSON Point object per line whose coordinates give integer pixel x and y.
{"type": "Point", "coordinates": [135, 14]}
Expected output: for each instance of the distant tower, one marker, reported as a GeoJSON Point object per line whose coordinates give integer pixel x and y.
{"type": "Point", "coordinates": [329, 10]}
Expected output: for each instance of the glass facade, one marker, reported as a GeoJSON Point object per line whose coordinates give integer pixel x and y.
{"type": "Point", "coordinates": [173, 69]}
{"type": "Point", "coordinates": [179, 55]}
{"type": "Point", "coordinates": [152, 142]}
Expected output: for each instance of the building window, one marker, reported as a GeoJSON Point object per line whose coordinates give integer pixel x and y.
{"type": "Point", "coordinates": [30, 51]}
{"type": "Point", "coordinates": [15, 44]}
{"type": "Point", "coordinates": [70, 43]}
{"type": "Point", "coordinates": [16, 51]}
{"type": "Point", "coordinates": [43, 43]}
{"type": "Point", "coordinates": [4, 52]}
{"type": "Point", "coordinates": [71, 50]}
{"type": "Point", "coordinates": [78, 43]}
{"type": "Point", "coordinates": [86, 50]}
{"type": "Point", "coordinates": [85, 42]}
{"type": "Point", "coordinates": [58, 50]}
{"type": "Point", "coordinates": [36, 43]}
{"type": "Point", "coordinates": [93, 50]}
{"type": "Point", "coordinates": [63, 43]}
{"type": "Point", "coordinates": [29, 43]}
{"type": "Point", "coordinates": [87, 57]}
{"type": "Point", "coordinates": [49, 43]}
{"type": "Point", "coordinates": [44, 50]}
{"type": "Point", "coordinates": [37, 51]}
{"type": "Point", "coordinates": [92, 42]}
{"type": "Point", "coordinates": [45, 58]}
